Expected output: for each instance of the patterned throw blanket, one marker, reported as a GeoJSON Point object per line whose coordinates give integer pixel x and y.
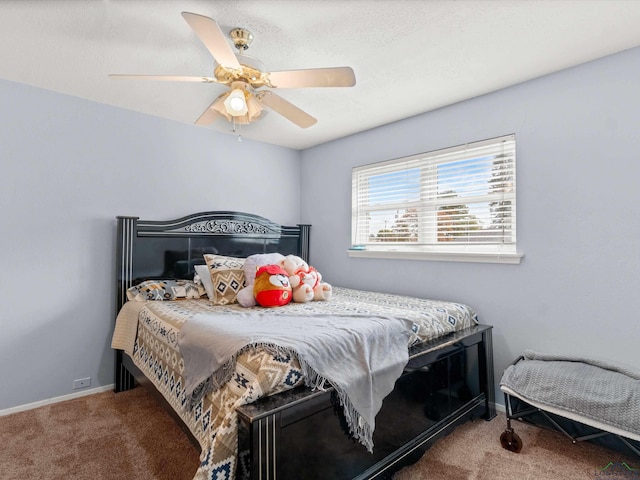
{"type": "Point", "coordinates": [258, 373]}
{"type": "Point", "coordinates": [592, 391]}
{"type": "Point", "coordinates": [361, 357]}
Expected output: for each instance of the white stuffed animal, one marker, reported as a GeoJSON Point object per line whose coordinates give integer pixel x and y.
{"type": "Point", "coordinates": [305, 280]}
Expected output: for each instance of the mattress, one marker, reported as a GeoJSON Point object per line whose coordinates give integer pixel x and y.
{"type": "Point", "coordinates": [149, 332]}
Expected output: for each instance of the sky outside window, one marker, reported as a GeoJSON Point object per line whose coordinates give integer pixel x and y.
{"type": "Point", "coordinates": [462, 178]}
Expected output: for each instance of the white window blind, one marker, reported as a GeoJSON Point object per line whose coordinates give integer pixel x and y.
{"type": "Point", "coordinates": [456, 200]}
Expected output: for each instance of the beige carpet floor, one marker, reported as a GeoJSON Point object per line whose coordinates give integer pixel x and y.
{"type": "Point", "coordinates": [128, 436]}
{"type": "Point", "coordinates": [97, 437]}
{"type": "Point", "coordinates": [473, 452]}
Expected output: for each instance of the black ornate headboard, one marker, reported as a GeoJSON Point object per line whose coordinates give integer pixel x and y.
{"type": "Point", "coordinates": [170, 249]}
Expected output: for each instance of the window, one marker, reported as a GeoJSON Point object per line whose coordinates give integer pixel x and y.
{"type": "Point", "coordinates": [453, 204]}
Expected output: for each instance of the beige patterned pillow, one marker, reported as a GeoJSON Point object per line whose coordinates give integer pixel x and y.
{"type": "Point", "coordinates": [165, 290]}
{"type": "Point", "coordinates": [227, 276]}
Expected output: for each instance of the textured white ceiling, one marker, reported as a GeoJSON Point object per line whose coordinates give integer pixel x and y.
{"type": "Point", "coordinates": [409, 56]}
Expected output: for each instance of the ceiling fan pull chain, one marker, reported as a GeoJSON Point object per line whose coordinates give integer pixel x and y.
{"type": "Point", "coordinates": [238, 126]}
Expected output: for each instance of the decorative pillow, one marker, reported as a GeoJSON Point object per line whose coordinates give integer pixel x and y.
{"type": "Point", "coordinates": [203, 277]}
{"type": "Point", "coordinates": [227, 277]}
{"type": "Point", "coordinates": [165, 290]}
{"type": "Point", "coordinates": [246, 297]}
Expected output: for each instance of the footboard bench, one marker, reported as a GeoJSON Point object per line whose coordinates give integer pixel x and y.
{"type": "Point", "coordinates": [446, 382]}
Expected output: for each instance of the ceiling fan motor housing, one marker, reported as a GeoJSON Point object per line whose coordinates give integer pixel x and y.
{"type": "Point", "coordinates": [241, 37]}
{"type": "Point", "coordinates": [252, 71]}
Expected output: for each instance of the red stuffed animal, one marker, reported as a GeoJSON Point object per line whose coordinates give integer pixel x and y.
{"type": "Point", "coordinates": [271, 287]}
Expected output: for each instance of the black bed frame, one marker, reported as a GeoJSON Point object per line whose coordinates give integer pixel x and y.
{"type": "Point", "coordinates": [302, 433]}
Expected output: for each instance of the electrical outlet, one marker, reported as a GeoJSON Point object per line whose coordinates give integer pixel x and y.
{"type": "Point", "coordinates": [81, 383]}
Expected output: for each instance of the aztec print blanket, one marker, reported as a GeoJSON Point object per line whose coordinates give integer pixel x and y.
{"type": "Point", "coordinates": [258, 373]}
{"type": "Point", "coordinates": [361, 357]}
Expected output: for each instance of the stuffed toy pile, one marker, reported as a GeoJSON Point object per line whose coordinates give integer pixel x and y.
{"type": "Point", "coordinates": [305, 280]}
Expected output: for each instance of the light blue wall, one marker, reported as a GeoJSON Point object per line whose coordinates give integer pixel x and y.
{"type": "Point", "coordinates": [578, 177]}
{"type": "Point", "coordinates": [68, 168]}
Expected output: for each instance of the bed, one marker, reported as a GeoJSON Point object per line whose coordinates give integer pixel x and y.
{"type": "Point", "coordinates": [268, 421]}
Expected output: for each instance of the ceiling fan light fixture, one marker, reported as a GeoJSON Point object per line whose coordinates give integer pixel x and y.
{"type": "Point", "coordinates": [254, 109]}
{"type": "Point", "coordinates": [220, 106]}
{"type": "Point", "coordinates": [236, 103]}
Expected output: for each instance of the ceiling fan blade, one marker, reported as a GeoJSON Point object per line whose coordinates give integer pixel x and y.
{"type": "Point", "coordinates": [287, 110]}
{"type": "Point", "coordinates": [314, 77]}
{"type": "Point", "coordinates": [209, 32]}
{"type": "Point", "coordinates": [210, 115]}
{"type": "Point", "coordinates": [163, 78]}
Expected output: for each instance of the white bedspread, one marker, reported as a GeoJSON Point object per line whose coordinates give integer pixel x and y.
{"type": "Point", "coordinates": [126, 329]}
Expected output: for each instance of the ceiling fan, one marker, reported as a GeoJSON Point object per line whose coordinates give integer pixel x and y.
{"type": "Point", "coordinates": [249, 82]}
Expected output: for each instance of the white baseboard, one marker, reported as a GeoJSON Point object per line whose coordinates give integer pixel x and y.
{"type": "Point", "coordinates": [49, 401]}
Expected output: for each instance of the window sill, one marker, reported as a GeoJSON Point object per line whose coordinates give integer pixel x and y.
{"type": "Point", "coordinates": [508, 258]}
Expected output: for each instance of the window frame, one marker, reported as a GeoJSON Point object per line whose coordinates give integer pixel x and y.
{"type": "Point", "coordinates": [428, 248]}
